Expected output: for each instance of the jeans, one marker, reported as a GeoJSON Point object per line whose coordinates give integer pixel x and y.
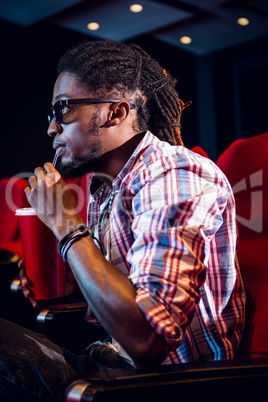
{"type": "Point", "coordinates": [32, 368]}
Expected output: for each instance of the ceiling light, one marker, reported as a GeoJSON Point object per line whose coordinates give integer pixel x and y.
{"type": "Point", "coordinates": [243, 21]}
{"type": "Point", "coordinates": [136, 8]}
{"type": "Point", "coordinates": [93, 26]}
{"type": "Point", "coordinates": [186, 40]}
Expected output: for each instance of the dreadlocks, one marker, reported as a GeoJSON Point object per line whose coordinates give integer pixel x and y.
{"type": "Point", "coordinates": [118, 69]}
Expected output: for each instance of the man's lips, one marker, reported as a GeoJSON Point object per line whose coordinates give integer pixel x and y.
{"type": "Point", "coordinates": [59, 148]}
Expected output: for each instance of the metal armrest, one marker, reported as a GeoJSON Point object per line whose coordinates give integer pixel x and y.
{"type": "Point", "coordinates": [233, 380]}
{"type": "Point", "coordinates": [58, 313]}
{"type": "Point", "coordinates": [65, 323]}
{"type": "Point", "coordinates": [15, 286]}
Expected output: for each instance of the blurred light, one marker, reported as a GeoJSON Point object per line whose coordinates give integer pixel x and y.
{"type": "Point", "coordinates": [93, 26]}
{"type": "Point", "coordinates": [186, 40]}
{"type": "Point", "coordinates": [136, 8]}
{"type": "Point", "coordinates": [243, 21]}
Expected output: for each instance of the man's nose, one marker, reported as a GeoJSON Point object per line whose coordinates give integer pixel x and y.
{"type": "Point", "coordinates": [54, 129]}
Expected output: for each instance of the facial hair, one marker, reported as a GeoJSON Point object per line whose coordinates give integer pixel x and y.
{"type": "Point", "coordinates": [86, 164]}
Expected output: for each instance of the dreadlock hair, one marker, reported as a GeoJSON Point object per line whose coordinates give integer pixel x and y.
{"type": "Point", "coordinates": [117, 69]}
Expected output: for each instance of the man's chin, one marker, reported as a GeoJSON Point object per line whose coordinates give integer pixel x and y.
{"type": "Point", "coordinates": [76, 169]}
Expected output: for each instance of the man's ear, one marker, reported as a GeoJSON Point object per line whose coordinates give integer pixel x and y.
{"type": "Point", "coordinates": [118, 113]}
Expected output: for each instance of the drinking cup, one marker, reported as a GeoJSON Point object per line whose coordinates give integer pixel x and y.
{"type": "Point", "coordinates": [44, 266]}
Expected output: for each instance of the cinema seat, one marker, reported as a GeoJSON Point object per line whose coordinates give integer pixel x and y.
{"type": "Point", "coordinates": [12, 196]}
{"type": "Point", "coordinates": [245, 163]}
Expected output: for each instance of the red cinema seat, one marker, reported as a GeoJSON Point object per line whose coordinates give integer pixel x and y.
{"type": "Point", "coordinates": [245, 164]}
{"type": "Point", "coordinates": [12, 197]}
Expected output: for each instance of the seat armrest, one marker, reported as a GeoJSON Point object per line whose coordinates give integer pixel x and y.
{"type": "Point", "coordinates": [58, 314]}
{"type": "Point", "coordinates": [15, 286]}
{"type": "Point", "coordinates": [234, 380]}
{"type": "Point", "coordinates": [65, 324]}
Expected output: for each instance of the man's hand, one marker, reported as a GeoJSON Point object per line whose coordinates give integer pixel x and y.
{"type": "Point", "coordinates": [52, 200]}
{"type": "Point", "coordinates": [25, 284]}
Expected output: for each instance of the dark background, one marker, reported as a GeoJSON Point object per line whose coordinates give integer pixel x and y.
{"type": "Point", "coordinates": [228, 89]}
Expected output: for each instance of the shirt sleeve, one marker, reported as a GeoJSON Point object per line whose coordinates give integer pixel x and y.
{"type": "Point", "coordinates": [176, 213]}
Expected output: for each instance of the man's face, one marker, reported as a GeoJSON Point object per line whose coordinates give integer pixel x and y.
{"type": "Point", "coordinates": [78, 143]}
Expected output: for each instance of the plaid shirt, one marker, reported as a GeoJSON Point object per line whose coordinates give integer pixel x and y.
{"type": "Point", "coordinates": [172, 230]}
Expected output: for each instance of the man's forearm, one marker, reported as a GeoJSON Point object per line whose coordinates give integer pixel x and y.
{"type": "Point", "coordinates": [111, 296]}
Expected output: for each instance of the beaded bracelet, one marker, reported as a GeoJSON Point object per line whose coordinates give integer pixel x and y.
{"type": "Point", "coordinates": [71, 237]}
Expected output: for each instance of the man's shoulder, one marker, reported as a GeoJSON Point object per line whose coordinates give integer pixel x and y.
{"type": "Point", "coordinates": [169, 156]}
{"type": "Point", "coordinates": [158, 158]}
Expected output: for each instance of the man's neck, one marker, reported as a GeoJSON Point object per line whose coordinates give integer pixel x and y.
{"type": "Point", "coordinates": [114, 161]}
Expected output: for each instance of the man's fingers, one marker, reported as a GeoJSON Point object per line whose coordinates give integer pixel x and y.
{"type": "Point", "coordinates": [39, 173]}
{"type": "Point", "coordinates": [32, 181]}
{"type": "Point", "coordinates": [21, 263]}
{"type": "Point", "coordinates": [34, 303]}
{"type": "Point", "coordinates": [52, 172]}
{"type": "Point", "coordinates": [24, 283]}
{"type": "Point", "coordinates": [23, 278]}
{"type": "Point", "coordinates": [49, 168]}
{"type": "Point", "coordinates": [27, 191]}
{"type": "Point", "coordinates": [22, 273]}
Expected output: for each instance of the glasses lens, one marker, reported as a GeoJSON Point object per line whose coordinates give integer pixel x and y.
{"type": "Point", "coordinates": [55, 113]}
{"type": "Point", "coordinates": [50, 115]}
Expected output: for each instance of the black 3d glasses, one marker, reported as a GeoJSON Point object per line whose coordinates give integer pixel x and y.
{"type": "Point", "coordinates": [56, 112]}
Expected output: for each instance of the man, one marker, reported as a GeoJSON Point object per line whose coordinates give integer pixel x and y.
{"type": "Point", "coordinates": [157, 263]}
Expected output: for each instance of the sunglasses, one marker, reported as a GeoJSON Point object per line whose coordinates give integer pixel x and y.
{"type": "Point", "coordinates": [56, 112]}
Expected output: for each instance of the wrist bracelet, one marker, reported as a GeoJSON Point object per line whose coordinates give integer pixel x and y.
{"type": "Point", "coordinates": [70, 238]}
{"type": "Point", "coordinates": [69, 234]}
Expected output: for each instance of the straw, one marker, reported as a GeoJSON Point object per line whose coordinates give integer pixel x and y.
{"type": "Point", "coordinates": [55, 159]}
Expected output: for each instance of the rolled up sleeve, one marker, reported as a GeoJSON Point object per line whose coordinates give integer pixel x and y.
{"type": "Point", "coordinates": [168, 256]}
